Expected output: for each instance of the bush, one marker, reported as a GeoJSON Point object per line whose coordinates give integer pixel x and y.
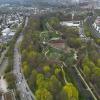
{"type": "Point", "coordinates": [11, 80]}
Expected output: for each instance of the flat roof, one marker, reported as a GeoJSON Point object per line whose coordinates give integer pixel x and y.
{"type": "Point", "coordinates": [71, 23]}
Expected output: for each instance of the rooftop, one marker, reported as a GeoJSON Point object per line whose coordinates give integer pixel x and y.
{"type": "Point", "coordinates": [97, 21]}
{"type": "Point", "coordinates": [70, 23]}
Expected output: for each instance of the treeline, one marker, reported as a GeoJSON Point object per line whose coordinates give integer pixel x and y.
{"type": "Point", "coordinates": [44, 77]}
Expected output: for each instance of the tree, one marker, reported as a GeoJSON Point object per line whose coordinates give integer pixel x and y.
{"type": "Point", "coordinates": [71, 92]}
{"type": "Point", "coordinates": [57, 71]}
{"type": "Point", "coordinates": [97, 72]}
{"type": "Point", "coordinates": [34, 74]}
{"type": "Point", "coordinates": [63, 95]}
{"type": "Point", "coordinates": [97, 40]}
{"type": "Point", "coordinates": [26, 70]}
{"type": "Point", "coordinates": [40, 80]}
{"type": "Point", "coordinates": [43, 94]}
{"type": "Point", "coordinates": [98, 63]}
{"type": "Point", "coordinates": [86, 70]}
{"type": "Point", "coordinates": [11, 80]}
{"type": "Point", "coordinates": [53, 21]}
{"type": "Point", "coordinates": [32, 79]}
{"type": "Point", "coordinates": [69, 58]}
{"type": "Point", "coordinates": [55, 87]}
{"type": "Point", "coordinates": [90, 69]}
{"type": "Point", "coordinates": [74, 42]}
{"type": "Point", "coordinates": [31, 57]}
{"type": "Point", "coordinates": [46, 69]}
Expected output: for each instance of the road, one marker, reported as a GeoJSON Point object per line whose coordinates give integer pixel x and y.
{"type": "Point", "coordinates": [22, 86]}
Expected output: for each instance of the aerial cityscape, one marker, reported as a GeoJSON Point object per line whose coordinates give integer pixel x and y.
{"type": "Point", "coordinates": [49, 49]}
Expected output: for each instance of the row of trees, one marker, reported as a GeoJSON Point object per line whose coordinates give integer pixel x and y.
{"type": "Point", "coordinates": [90, 63]}
{"type": "Point", "coordinates": [90, 69]}
{"type": "Point", "coordinates": [87, 30]}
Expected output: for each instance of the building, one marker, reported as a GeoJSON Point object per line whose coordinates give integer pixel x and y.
{"type": "Point", "coordinates": [70, 23]}
{"type": "Point", "coordinates": [89, 4]}
{"type": "Point", "coordinates": [97, 24]}
{"type": "Point", "coordinates": [7, 35]}
{"type": "Point", "coordinates": [97, 4]}
{"type": "Point", "coordinates": [66, 2]}
{"type": "Point", "coordinates": [7, 32]}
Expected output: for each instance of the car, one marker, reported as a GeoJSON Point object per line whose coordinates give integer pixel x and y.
{"type": "Point", "coordinates": [23, 95]}
{"type": "Point", "coordinates": [19, 82]}
{"type": "Point", "coordinates": [27, 89]}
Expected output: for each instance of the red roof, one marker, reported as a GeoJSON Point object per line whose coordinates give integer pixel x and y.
{"type": "Point", "coordinates": [57, 41]}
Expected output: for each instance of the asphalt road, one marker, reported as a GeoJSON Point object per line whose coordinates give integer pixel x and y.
{"type": "Point", "coordinates": [22, 86]}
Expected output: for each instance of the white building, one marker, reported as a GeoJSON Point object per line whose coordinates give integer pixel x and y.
{"type": "Point", "coordinates": [7, 32]}
{"type": "Point", "coordinates": [97, 24]}
{"type": "Point", "coordinates": [71, 23]}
